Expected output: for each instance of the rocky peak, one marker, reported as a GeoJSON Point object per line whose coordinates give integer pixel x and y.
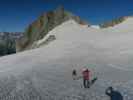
{"type": "Point", "coordinates": [46, 22]}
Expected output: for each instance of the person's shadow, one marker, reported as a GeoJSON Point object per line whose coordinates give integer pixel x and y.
{"type": "Point", "coordinates": [94, 80]}
{"type": "Point", "coordinates": [113, 94]}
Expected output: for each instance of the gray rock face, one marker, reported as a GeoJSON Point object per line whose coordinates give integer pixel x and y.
{"type": "Point", "coordinates": [39, 28]}
{"type": "Point", "coordinates": [7, 42]}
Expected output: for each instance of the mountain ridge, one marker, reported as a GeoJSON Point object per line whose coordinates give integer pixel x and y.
{"type": "Point", "coordinates": [51, 19]}
{"type": "Point", "coordinates": [114, 22]}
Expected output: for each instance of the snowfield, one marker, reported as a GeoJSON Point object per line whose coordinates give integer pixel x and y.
{"type": "Point", "coordinates": [45, 73]}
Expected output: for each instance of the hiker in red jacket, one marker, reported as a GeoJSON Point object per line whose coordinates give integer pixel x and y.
{"type": "Point", "coordinates": [86, 78]}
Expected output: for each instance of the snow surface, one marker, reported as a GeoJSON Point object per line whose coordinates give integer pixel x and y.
{"type": "Point", "coordinates": [45, 73]}
{"type": "Point", "coordinates": [95, 26]}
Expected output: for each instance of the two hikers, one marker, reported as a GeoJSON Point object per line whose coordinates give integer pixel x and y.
{"type": "Point", "coordinates": [114, 95]}
{"type": "Point", "coordinates": [86, 73]}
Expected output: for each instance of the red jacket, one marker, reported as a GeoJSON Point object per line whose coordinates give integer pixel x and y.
{"type": "Point", "coordinates": [86, 74]}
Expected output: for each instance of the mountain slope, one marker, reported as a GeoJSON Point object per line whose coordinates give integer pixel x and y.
{"type": "Point", "coordinates": [45, 73]}
{"type": "Point", "coordinates": [39, 28]}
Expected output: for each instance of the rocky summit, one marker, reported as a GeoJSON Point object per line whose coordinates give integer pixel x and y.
{"type": "Point", "coordinates": [46, 22]}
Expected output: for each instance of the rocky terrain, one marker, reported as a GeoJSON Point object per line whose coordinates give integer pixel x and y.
{"type": "Point", "coordinates": [113, 22]}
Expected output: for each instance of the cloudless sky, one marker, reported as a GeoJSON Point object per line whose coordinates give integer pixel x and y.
{"type": "Point", "coordinates": [16, 15]}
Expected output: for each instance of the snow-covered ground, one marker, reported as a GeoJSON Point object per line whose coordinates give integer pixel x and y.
{"type": "Point", "coordinates": [95, 26]}
{"type": "Point", "coordinates": [45, 73]}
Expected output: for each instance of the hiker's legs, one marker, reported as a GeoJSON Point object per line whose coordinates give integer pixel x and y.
{"type": "Point", "coordinates": [88, 83]}
{"type": "Point", "coordinates": [84, 83]}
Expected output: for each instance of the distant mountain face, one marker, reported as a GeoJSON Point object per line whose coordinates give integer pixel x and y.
{"type": "Point", "coordinates": [45, 23]}
{"type": "Point", "coordinates": [7, 42]}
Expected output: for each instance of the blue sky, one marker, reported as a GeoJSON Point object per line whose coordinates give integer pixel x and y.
{"type": "Point", "coordinates": [16, 15]}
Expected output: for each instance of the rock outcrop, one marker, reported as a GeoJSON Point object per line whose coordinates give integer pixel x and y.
{"type": "Point", "coordinates": [113, 22]}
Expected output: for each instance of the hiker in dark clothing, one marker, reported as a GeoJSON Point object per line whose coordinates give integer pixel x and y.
{"type": "Point", "coordinates": [74, 74]}
{"type": "Point", "coordinates": [86, 78]}
{"type": "Point", "coordinates": [114, 95]}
